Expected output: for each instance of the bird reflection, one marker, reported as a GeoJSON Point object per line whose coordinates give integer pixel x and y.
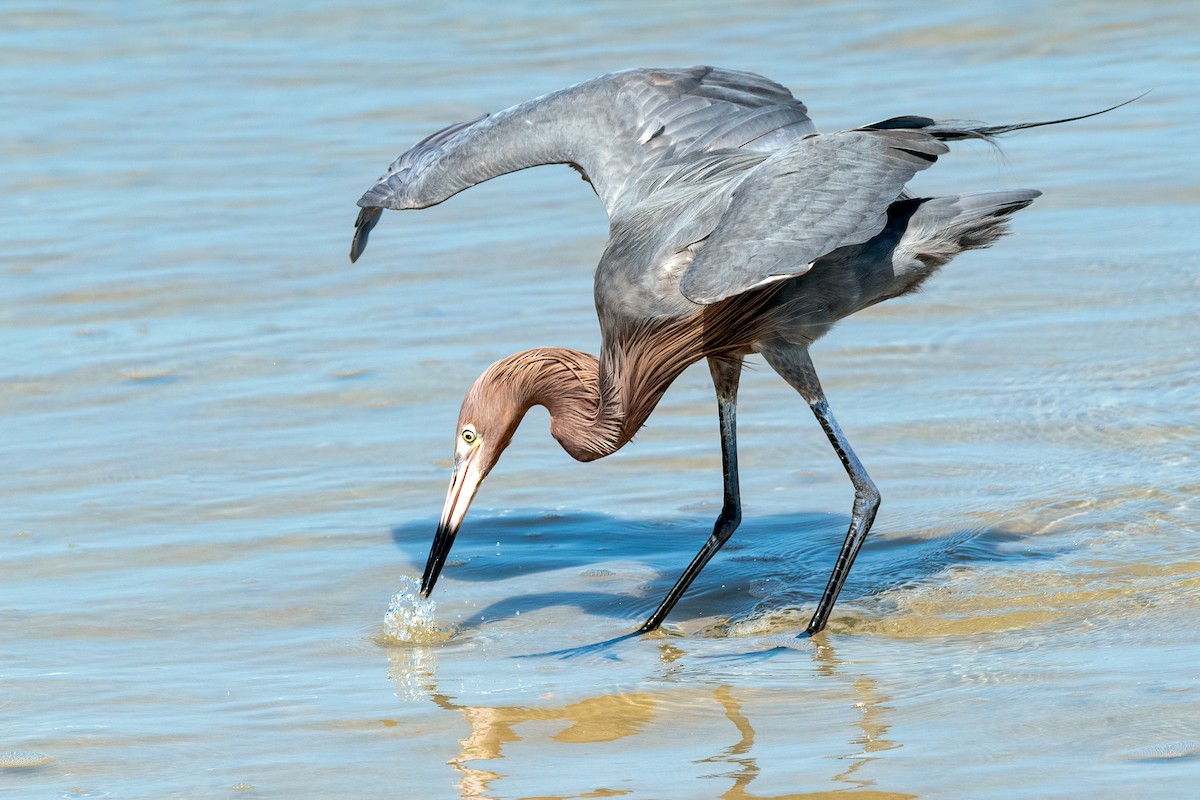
{"type": "Point", "coordinates": [597, 719]}
{"type": "Point", "coordinates": [627, 716]}
{"type": "Point", "coordinates": [862, 692]}
{"type": "Point", "coordinates": [867, 697]}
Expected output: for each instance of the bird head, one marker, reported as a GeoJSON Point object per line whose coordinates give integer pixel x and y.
{"type": "Point", "coordinates": [490, 415]}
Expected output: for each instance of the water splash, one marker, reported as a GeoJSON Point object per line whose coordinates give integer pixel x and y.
{"type": "Point", "coordinates": [409, 618]}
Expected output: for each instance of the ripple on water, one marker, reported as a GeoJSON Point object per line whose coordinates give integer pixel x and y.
{"type": "Point", "coordinates": [17, 759]}
{"type": "Point", "coordinates": [1189, 748]}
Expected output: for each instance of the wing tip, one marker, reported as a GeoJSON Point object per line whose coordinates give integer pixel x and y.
{"type": "Point", "coordinates": [367, 219]}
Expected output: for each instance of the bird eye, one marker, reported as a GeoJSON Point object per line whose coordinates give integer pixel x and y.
{"type": "Point", "coordinates": [469, 436]}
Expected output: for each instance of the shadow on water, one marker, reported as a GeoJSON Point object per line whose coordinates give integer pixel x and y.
{"type": "Point", "coordinates": [774, 563]}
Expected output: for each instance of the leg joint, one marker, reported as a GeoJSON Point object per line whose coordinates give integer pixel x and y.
{"type": "Point", "coordinates": [867, 499]}
{"type": "Point", "coordinates": [727, 523]}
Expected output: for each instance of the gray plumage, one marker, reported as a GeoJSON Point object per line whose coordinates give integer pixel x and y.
{"type": "Point", "coordinates": [734, 228]}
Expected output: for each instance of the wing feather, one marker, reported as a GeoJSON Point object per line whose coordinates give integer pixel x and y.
{"type": "Point", "coordinates": [816, 195]}
{"type": "Point", "coordinates": [613, 129]}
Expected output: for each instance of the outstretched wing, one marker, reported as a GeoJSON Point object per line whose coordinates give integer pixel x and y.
{"type": "Point", "coordinates": [666, 116]}
{"type": "Point", "coordinates": [818, 194]}
{"type": "Point", "coordinates": [612, 129]}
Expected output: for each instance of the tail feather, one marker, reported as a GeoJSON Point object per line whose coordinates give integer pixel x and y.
{"type": "Point", "coordinates": [957, 130]}
{"type": "Point", "coordinates": [943, 227]}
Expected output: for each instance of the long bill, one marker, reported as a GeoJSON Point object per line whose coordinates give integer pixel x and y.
{"type": "Point", "coordinates": [463, 485]}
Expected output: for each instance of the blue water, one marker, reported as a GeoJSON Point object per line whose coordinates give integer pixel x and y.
{"type": "Point", "coordinates": [225, 447]}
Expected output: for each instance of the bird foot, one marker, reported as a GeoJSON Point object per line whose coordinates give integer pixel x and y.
{"type": "Point", "coordinates": [781, 644]}
{"type": "Point", "coordinates": [587, 649]}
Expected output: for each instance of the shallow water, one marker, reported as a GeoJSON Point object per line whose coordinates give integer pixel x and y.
{"type": "Point", "coordinates": [225, 448]}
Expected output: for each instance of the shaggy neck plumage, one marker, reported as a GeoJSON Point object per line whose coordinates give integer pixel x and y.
{"type": "Point", "coordinates": [588, 398]}
{"type": "Point", "coordinates": [596, 405]}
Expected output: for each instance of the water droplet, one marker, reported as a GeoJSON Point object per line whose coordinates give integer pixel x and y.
{"type": "Point", "coordinates": [409, 617]}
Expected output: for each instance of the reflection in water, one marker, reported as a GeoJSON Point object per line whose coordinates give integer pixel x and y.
{"type": "Point", "coordinates": [412, 670]}
{"type": "Point", "coordinates": [598, 719]}
{"type": "Point", "coordinates": [612, 717]}
{"type": "Point", "coordinates": [865, 696]}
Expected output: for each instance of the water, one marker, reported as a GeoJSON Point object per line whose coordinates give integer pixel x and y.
{"type": "Point", "coordinates": [225, 448]}
{"type": "Point", "coordinates": [410, 618]}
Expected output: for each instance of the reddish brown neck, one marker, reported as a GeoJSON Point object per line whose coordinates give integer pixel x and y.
{"type": "Point", "coordinates": [597, 405]}
{"type": "Point", "coordinates": [585, 400]}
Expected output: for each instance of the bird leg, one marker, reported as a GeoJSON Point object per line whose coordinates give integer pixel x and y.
{"type": "Point", "coordinates": [795, 366]}
{"type": "Point", "coordinates": [726, 371]}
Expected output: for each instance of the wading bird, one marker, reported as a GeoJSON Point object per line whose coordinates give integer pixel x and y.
{"type": "Point", "coordinates": [735, 228]}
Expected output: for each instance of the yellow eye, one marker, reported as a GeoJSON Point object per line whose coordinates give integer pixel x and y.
{"type": "Point", "coordinates": [469, 436]}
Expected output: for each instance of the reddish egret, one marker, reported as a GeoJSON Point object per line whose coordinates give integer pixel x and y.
{"type": "Point", "coordinates": [735, 228]}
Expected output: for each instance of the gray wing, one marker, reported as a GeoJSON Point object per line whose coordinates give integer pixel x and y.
{"type": "Point", "coordinates": [818, 194]}
{"type": "Point", "coordinates": [669, 116]}
{"type": "Point", "coordinates": [612, 129]}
